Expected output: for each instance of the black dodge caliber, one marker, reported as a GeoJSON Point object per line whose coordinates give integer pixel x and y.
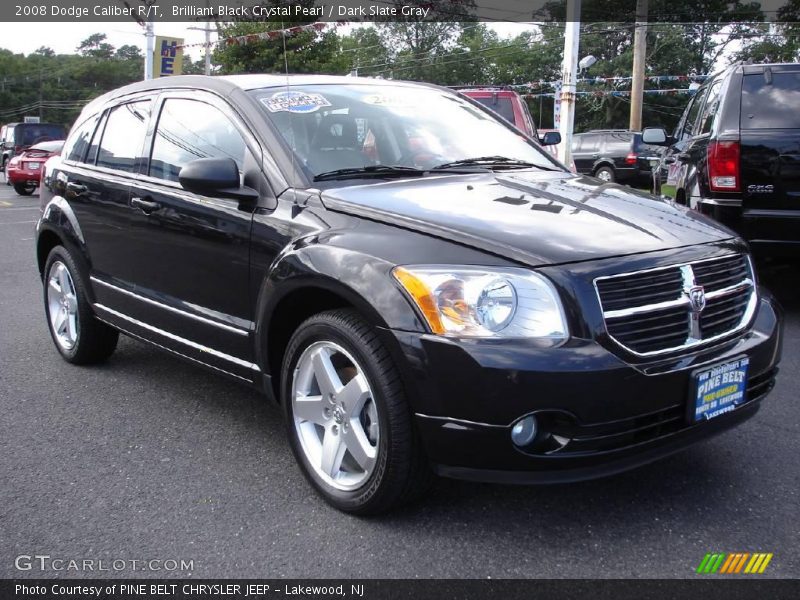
{"type": "Point", "coordinates": [420, 287]}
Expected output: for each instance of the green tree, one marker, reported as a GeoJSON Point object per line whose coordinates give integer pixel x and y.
{"type": "Point", "coordinates": [96, 47]}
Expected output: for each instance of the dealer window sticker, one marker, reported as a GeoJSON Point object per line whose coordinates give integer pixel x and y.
{"type": "Point", "coordinates": [295, 102]}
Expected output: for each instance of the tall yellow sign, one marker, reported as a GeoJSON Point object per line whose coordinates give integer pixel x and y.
{"type": "Point", "coordinates": [168, 57]}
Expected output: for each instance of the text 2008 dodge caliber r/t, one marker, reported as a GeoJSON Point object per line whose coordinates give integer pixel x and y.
{"type": "Point", "coordinates": [420, 287]}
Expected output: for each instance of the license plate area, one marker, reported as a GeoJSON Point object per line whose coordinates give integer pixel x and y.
{"type": "Point", "coordinates": [34, 166]}
{"type": "Point", "coordinates": [718, 389]}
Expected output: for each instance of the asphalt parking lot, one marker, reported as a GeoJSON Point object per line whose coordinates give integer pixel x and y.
{"type": "Point", "coordinates": [148, 457]}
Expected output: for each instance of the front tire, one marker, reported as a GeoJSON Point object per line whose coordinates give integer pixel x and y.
{"type": "Point", "coordinates": [78, 336]}
{"type": "Point", "coordinates": [23, 189]}
{"type": "Point", "coordinates": [349, 425]}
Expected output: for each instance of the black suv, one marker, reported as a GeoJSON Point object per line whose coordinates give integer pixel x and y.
{"type": "Point", "coordinates": [615, 155]}
{"type": "Point", "coordinates": [418, 286]}
{"type": "Point", "coordinates": [735, 154]}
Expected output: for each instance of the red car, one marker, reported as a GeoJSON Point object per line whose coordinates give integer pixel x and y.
{"type": "Point", "coordinates": [24, 171]}
{"type": "Point", "coordinates": [512, 107]}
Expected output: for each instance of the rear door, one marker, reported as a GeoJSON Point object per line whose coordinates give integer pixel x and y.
{"type": "Point", "coordinates": [99, 180]}
{"type": "Point", "coordinates": [585, 151]}
{"type": "Point", "coordinates": [770, 151]}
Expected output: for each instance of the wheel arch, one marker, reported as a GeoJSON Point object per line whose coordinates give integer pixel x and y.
{"type": "Point", "coordinates": [602, 163]}
{"type": "Point", "coordinates": [293, 292]}
{"type": "Point", "coordinates": [58, 226]}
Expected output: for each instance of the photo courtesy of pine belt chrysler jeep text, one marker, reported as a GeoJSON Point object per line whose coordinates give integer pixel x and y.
{"type": "Point", "coordinates": [420, 287]}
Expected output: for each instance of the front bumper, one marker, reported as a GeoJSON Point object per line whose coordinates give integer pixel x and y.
{"type": "Point", "coordinates": [615, 415]}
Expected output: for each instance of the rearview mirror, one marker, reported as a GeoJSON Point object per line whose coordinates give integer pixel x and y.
{"type": "Point", "coordinates": [215, 177]}
{"type": "Point", "coordinates": [655, 136]}
{"type": "Point", "coordinates": [550, 138]}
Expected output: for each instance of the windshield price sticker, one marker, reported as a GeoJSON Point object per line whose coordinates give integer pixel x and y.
{"type": "Point", "coordinates": [295, 102]}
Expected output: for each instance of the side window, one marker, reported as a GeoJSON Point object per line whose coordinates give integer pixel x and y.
{"type": "Point", "coordinates": [123, 136]}
{"type": "Point", "coordinates": [188, 130]}
{"type": "Point", "coordinates": [79, 139]}
{"type": "Point", "coordinates": [618, 143]}
{"type": "Point", "coordinates": [691, 115]}
{"type": "Point", "coordinates": [91, 155]}
{"type": "Point", "coordinates": [711, 106]}
{"type": "Point", "coordinates": [590, 143]}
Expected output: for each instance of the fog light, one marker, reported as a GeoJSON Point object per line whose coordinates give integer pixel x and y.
{"type": "Point", "coordinates": [524, 430]}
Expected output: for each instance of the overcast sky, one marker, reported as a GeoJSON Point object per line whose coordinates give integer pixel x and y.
{"type": "Point", "coordinates": [63, 38]}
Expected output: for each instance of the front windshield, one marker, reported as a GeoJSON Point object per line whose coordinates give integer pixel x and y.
{"type": "Point", "coordinates": [332, 127]}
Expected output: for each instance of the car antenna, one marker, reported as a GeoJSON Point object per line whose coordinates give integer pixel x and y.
{"type": "Point", "coordinates": [291, 114]}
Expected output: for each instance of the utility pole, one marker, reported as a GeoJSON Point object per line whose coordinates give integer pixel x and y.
{"type": "Point", "coordinates": [150, 48]}
{"type": "Point", "coordinates": [207, 69]}
{"type": "Point", "coordinates": [639, 56]}
{"type": "Point", "coordinates": [569, 79]}
{"type": "Point", "coordinates": [41, 96]}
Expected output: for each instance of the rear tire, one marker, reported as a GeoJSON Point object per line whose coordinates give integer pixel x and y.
{"type": "Point", "coordinates": [364, 456]}
{"type": "Point", "coordinates": [24, 190]}
{"type": "Point", "coordinates": [605, 174]}
{"type": "Point", "coordinates": [77, 334]}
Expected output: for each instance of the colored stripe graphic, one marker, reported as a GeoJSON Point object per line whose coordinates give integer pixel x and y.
{"type": "Point", "coordinates": [703, 563]}
{"type": "Point", "coordinates": [734, 563]}
{"type": "Point", "coordinates": [729, 563]}
{"type": "Point", "coordinates": [765, 563]}
{"type": "Point", "coordinates": [739, 566]}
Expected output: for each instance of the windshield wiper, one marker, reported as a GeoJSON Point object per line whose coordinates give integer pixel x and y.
{"type": "Point", "coordinates": [370, 171]}
{"type": "Point", "coordinates": [493, 162]}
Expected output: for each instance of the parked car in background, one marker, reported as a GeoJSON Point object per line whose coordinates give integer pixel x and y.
{"type": "Point", "coordinates": [735, 154]}
{"type": "Point", "coordinates": [615, 155]}
{"type": "Point", "coordinates": [17, 137]}
{"type": "Point", "coordinates": [512, 107]}
{"type": "Point", "coordinates": [453, 301]}
{"type": "Point", "coordinates": [505, 102]}
{"type": "Point", "coordinates": [24, 171]}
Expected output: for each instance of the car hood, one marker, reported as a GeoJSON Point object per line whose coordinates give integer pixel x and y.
{"type": "Point", "coordinates": [534, 217]}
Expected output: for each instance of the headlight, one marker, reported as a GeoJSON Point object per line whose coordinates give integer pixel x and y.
{"type": "Point", "coordinates": [476, 302]}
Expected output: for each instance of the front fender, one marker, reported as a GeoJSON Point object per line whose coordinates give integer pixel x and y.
{"type": "Point", "coordinates": [360, 279]}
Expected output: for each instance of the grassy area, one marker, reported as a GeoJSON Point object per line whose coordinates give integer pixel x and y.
{"type": "Point", "coordinates": [666, 190]}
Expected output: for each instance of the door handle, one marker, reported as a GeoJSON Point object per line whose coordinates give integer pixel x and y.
{"type": "Point", "coordinates": [146, 206]}
{"type": "Point", "coordinates": [76, 189]}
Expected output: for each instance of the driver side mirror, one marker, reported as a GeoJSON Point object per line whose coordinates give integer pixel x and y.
{"type": "Point", "coordinates": [655, 136]}
{"type": "Point", "coordinates": [551, 138]}
{"type": "Point", "coordinates": [215, 177]}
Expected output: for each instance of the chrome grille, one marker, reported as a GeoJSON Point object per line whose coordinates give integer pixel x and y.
{"type": "Point", "coordinates": [653, 312]}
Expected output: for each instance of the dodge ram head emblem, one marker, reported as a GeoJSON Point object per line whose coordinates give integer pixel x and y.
{"type": "Point", "coordinates": [697, 297]}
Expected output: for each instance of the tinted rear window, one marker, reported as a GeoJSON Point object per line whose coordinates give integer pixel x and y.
{"type": "Point", "coordinates": [501, 106]}
{"type": "Point", "coordinates": [771, 105]}
{"type": "Point", "coordinates": [28, 134]}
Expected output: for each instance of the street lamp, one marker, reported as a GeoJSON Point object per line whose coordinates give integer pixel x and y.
{"type": "Point", "coordinates": [586, 62]}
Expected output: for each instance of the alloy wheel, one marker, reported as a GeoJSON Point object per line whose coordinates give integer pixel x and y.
{"type": "Point", "coordinates": [335, 416]}
{"type": "Point", "coordinates": [62, 304]}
